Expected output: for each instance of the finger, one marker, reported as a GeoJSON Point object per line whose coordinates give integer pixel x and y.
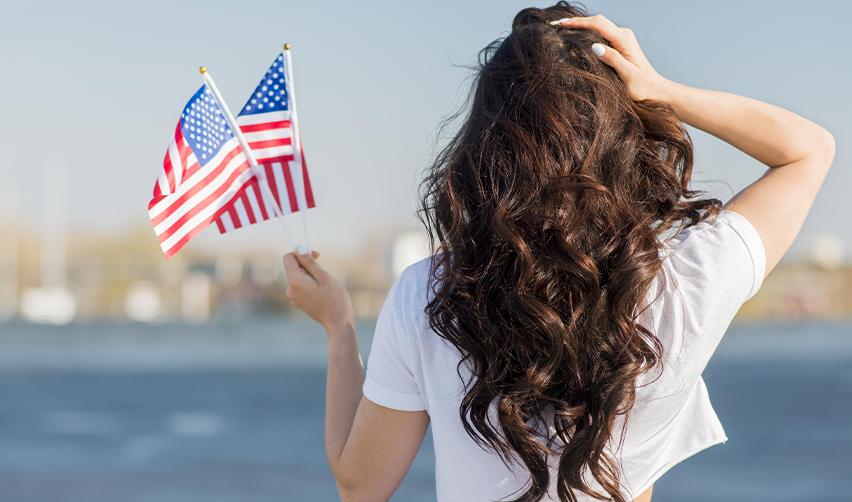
{"type": "Point", "coordinates": [308, 263]}
{"type": "Point", "coordinates": [613, 58]}
{"type": "Point", "coordinates": [302, 249]}
{"type": "Point", "coordinates": [602, 26]}
{"type": "Point", "coordinates": [294, 270]}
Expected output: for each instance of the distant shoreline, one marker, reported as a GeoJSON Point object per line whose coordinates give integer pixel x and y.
{"type": "Point", "coordinates": [279, 343]}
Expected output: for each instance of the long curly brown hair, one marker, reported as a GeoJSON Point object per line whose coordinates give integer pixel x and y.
{"type": "Point", "coordinates": [547, 211]}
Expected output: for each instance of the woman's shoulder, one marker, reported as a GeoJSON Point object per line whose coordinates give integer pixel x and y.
{"type": "Point", "coordinates": [722, 252]}
{"type": "Point", "coordinates": [409, 293]}
{"type": "Point", "coordinates": [417, 272]}
{"type": "Point", "coordinates": [413, 283]}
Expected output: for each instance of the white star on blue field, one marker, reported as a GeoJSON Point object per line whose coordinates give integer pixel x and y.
{"type": "Point", "coordinates": [271, 94]}
{"type": "Point", "coordinates": [204, 126]}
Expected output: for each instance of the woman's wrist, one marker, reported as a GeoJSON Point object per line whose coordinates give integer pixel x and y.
{"type": "Point", "coordinates": [339, 328]}
{"type": "Point", "coordinates": [665, 91]}
{"type": "Point", "coordinates": [680, 98]}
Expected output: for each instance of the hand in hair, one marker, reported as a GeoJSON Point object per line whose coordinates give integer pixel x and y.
{"type": "Point", "coordinates": [624, 55]}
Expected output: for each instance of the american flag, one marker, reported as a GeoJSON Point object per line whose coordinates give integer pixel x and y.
{"type": "Point", "coordinates": [266, 123]}
{"type": "Point", "coordinates": [204, 170]}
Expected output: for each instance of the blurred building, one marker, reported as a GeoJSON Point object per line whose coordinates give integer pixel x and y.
{"type": "Point", "coordinates": [126, 278]}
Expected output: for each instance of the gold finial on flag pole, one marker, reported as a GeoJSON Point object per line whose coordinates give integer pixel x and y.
{"type": "Point", "coordinates": [286, 47]}
{"type": "Point", "coordinates": [202, 70]}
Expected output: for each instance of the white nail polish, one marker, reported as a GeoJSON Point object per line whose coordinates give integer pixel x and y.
{"type": "Point", "coordinates": [559, 21]}
{"type": "Point", "coordinates": [598, 49]}
{"type": "Point", "coordinates": [301, 249]}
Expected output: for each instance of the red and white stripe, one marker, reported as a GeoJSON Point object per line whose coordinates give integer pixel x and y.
{"type": "Point", "coordinates": [270, 137]}
{"type": "Point", "coordinates": [188, 196]}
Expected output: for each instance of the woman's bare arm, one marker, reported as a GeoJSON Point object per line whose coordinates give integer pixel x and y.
{"type": "Point", "coordinates": [797, 151]}
{"type": "Point", "coordinates": [369, 447]}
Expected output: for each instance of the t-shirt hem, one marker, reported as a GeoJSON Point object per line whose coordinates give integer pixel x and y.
{"type": "Point", "coordinates": [676, 460]}
{"type": "Point", "coordinates": [388, 398]}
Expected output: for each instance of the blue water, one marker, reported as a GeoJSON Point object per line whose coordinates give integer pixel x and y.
{"type": "Point", "coordinates": [241, 432]}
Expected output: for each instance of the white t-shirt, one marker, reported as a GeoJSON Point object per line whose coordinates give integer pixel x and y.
{"type": "Point", "coordinates": [708, 271]}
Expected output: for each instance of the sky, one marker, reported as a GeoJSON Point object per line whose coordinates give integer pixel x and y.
{"type": "Point", "coordinates": [91, 92]}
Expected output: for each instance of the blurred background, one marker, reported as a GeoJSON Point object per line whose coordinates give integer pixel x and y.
{"type": "Point", "coordinates": [126, 376]}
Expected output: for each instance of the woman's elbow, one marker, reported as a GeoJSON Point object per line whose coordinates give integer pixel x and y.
{"type": "Point", "coordinates": [355, 489]}
{"type": "Point", "coordinates": [355, 493]}
{"type": "Point", "coordinates": [816, 146]}
{"type": "Point", "coordinates": [824, 147]}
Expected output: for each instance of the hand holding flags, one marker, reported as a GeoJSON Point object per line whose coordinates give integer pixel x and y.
{"type": "Point", "coordinates": [211, 170]}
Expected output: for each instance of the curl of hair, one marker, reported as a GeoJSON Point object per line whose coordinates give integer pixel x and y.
{"type": "Point", "coordinates": [547, 210]}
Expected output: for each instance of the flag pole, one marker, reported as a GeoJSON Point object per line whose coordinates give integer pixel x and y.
{"type": "Point", "coordinates": [255, 169]}
{"type": "Point", "coordinates": [297, 146]}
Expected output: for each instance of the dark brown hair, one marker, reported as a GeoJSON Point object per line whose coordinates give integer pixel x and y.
{"type": "Point", "coordinates": [547, 211]}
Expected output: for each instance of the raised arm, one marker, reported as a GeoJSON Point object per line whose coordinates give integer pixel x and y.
{"type": "Point", "coordinates": [369, 447]}
{"type": "Point", "coordinates": [797, 151]}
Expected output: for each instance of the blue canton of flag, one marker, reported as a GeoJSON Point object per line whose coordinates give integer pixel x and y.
{"type": "Point", "coordinates": [204, 126]}
{"type": "Point", "coordinates": [271, 94]}
{"type": "Point", "coordinates": [267, 125]}
{"type": "Point", "coordinates": [204, 169]}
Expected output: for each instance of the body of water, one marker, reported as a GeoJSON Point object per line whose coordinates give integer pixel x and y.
{"type": "Point", "coordinates": [234, 413]}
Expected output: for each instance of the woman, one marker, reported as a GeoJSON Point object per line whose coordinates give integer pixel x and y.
{"type": "Point", "coordinates": [556, 339]}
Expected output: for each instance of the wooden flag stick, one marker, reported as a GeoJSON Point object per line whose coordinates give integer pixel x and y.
{"type": "Point", "coordinates": [301, 196]}
{"type": "Point", "coordinates": [255, 168]}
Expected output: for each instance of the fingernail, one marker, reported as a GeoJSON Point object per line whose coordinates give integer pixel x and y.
{"type": "Point", "coordinates": [559, 21]}
{"type": "Point", "coordinates": [598, 49]}
{"type": "Point", "coordinates": [302, 249]}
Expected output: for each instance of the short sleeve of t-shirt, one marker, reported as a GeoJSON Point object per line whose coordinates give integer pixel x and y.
{"type": "Point", "coordinates": [716, 265]}
{"type": "Point", "coordinates": [392, 361]}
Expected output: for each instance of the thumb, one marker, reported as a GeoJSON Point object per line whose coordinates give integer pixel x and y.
{"type": "Point", "coordinates": [613, 58]}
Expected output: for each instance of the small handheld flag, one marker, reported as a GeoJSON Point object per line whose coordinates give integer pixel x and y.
{"type": "Point", "coordinates": [268, 121]}
{"type": "Point", "coordinates": [211, 170]}
{"type": "Point", "coordinates": [204, 169]}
